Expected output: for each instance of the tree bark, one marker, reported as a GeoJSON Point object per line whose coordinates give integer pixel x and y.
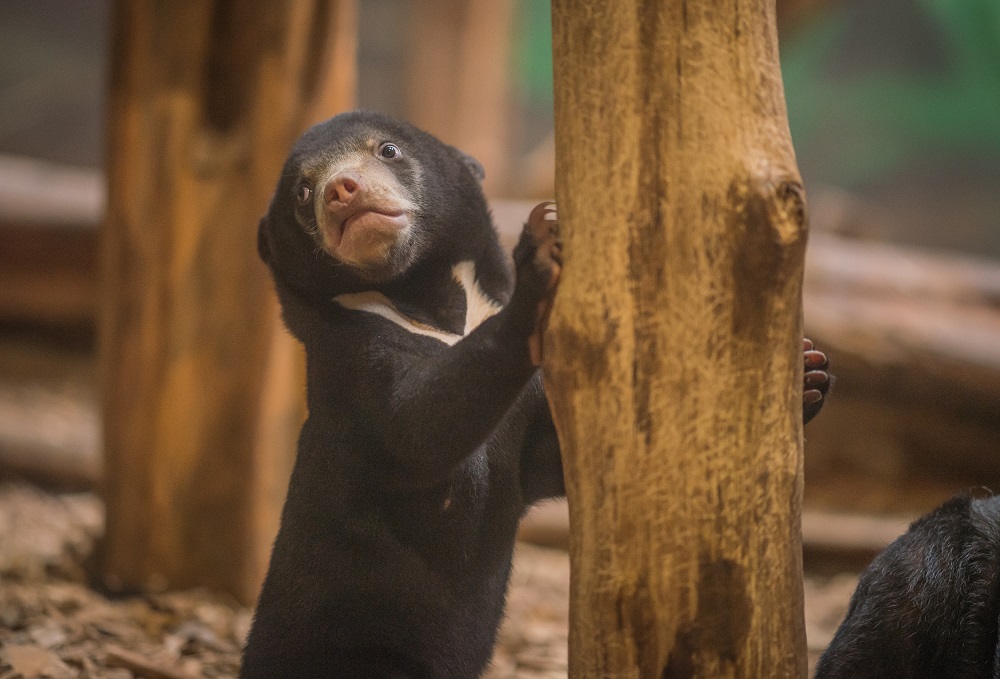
{"type": "Point", "coordinates": [674, 356]}
{"type": "Point", "coordinates": [202, 388]}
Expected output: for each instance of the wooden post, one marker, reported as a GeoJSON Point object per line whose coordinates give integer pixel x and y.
{"type": "Point", "coordinates": [202, 388]}
{"type": "Point", "coordinates": [458, 78]}
{"type": "Point", "coordinates": [674, 357]}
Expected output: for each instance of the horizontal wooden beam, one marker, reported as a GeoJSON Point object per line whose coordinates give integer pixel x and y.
{"type": "Point", "coordinates": [50, 194]}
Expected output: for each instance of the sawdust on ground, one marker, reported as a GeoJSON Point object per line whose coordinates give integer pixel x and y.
{"type": "Point", "coordinates": [52, 625]}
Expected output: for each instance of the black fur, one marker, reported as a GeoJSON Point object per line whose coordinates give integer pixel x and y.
{"type": "Point", "coordinates": [927, 607]}
{"type": "Point", "coordinates": [418, 458]}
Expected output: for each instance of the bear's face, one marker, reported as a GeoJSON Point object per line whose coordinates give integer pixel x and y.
{"type": "Point", "coordinates": [369, 195]}
{"type": "Point", "coordinates": [361, 204]}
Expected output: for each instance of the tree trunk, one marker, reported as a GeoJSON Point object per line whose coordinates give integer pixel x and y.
{"type": "Point", "coordinates": [202, 388]}
{"type": "Point", "coordinates": [674, 355]}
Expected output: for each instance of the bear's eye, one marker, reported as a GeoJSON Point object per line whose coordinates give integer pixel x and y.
{"type": "Point", "coordinates": [389, 151]}
{"type": "Point", "coordinates": [305, 192]}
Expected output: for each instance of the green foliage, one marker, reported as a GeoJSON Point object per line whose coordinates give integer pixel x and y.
{"type": "Point", "coordinates": [873, 120]}
{"type": "Point", "coordinates": [533, 51]}
{"type": "Point", "coordinates": [864, 121]}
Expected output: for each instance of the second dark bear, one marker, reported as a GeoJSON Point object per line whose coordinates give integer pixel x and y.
{"type": "Point", "coordinates": [928, 606]}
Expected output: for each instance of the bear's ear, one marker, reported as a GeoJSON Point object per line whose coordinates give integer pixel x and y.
{"type": "Point", "coordinates": [263, 247]}
{"type": "Point", "coordinates": [475, 167]}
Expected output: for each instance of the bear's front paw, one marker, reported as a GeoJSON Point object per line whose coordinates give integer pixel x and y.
{"type": "Point", "coordinates": [816, 380]}
{"type": "Point", "coordinates": [538, 262]}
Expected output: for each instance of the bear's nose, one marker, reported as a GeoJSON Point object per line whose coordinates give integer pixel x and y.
{"type": "Point", "coordinates": [342, 189]}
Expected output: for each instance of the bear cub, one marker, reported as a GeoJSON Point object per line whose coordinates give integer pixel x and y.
{"type": "Point", "coordinates": [428, 433]}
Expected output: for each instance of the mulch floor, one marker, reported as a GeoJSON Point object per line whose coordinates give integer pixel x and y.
{"type": "Point", "coordinates": [53, 625]}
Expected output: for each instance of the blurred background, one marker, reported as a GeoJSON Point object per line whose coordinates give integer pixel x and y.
{"type": "Point", "coordinates": [894, 108]}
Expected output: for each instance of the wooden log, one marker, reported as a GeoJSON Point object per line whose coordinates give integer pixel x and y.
{"type": "Point", "coordinates": [906, 305]}
{"type": "Point", "coordinates": [48, 245]}
{"type": "Point", "coordinates": [43, 193]}
{"type": "Point", "coordinates": [201, 386]}
{"type": "Point", "coordinates": [48, 275]}
{"type": "Point", "coordinates": [915, 338]}
{"type": "Point", "coordinates": [673, 358]}
{"type": "Point", "coordinates": [458, 78]}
